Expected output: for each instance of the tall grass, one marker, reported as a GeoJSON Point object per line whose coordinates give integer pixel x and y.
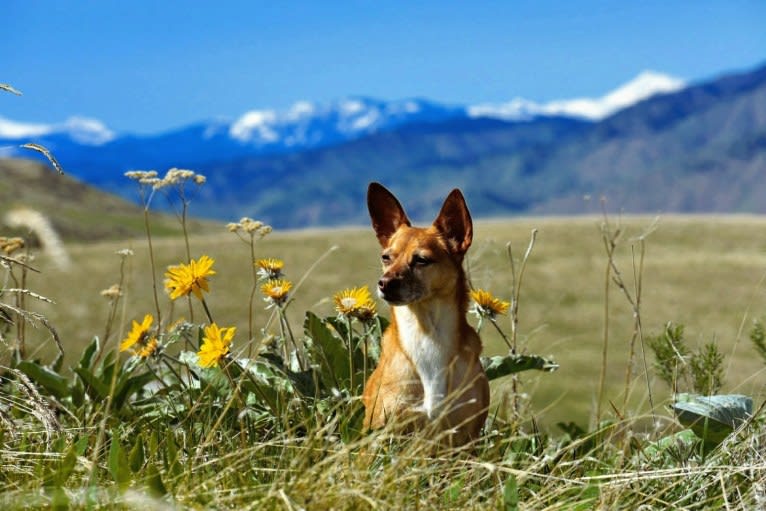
{"type": "Point", "coordinates": [265, 413]}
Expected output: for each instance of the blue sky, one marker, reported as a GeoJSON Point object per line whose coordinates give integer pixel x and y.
{"type": "Point", "coordinates": [146, 66]}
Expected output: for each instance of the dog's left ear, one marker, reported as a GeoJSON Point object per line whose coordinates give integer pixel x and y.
{"type": "Point", "coordinates": [454, 222]}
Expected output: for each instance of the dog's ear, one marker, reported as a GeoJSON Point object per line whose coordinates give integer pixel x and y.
{"type": "Point", "coordinates": [385, 211]}
{"type": "Point", "coordinates": [454, 223]}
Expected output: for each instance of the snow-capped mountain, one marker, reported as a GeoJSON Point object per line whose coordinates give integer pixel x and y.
{"type": "Point", "coordinates": [82, 130]}
{"type": "Point", "coordinates": [97, 154]}
{"type": "Point", "coordinates": [307, 124]}
{"type": "Point", "coordinates": [643, 86]}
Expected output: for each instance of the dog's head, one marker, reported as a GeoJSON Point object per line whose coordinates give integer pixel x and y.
{"type": "Point", "coordinates": [419, 263]}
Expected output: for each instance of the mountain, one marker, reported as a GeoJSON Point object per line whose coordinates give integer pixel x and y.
{"type": "Point", "coordinates": [643, 86]}
{"type": "Point", "coordinates": [653, 145]}
{"type": "Point", "coordinates": [698, 149]}
{"type": "Point", "coordinates": [94, 153]}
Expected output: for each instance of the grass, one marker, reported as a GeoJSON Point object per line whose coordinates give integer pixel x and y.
{"type": "Point", "coordinates": [205, 448]}
{"type": "Point", "coordinates": [561, 308]}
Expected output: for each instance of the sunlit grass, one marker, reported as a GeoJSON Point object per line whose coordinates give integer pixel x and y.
{"type": "Point", "coordinates": [704, 272]}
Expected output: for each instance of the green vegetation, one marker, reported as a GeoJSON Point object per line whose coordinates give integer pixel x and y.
{"type": "Point", "coordinates": [272, 420]}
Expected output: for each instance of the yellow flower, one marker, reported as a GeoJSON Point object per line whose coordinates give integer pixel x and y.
{"type": "Point", "coordinates": [184, 279]}
{"type": "Point", "coordinates": [270, 268]}
{"type": "Point", "coordinates": [215, 345]}
{"type": "Point", "coordinates": [276, 290]}
{"type": "Point", "coordinates": [139, 334]}
{"type": "Point", "coordinates": [488, 305]}
{"type": "Point", "coordinates": [140, 339]}
{"type": "Point", "coordinates": [148, 349]}
{"type": "Point", "coordinates": [355, 302]}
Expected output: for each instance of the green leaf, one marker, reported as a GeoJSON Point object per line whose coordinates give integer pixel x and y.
{"type": "Point", "coordinates": [77, 391]}
{"type": "Point", "coordinates": [64, 469]}
{"type": "Point", "coordinates": [118, 463]}
{"type": "Point", "coordinates": [511, 494]}
{"type": "Point", "coordinates": [499, 366]}
{"type": "Point", "coordinates": [46, 378]}
{"type": "Point", "coordinates": [154, 482]}
{"type": "Point", "coordinates": [95, 388]}
{"type": "Point", "coordinates": [712, 418]}
{"type": "Point", "coordinates": [685, 438]}
{"type": "Point", "coordinates": [81, 445]}
{"type": "Point", "coordinates": [137, 456]}
{"type": "Point", "coordinates": [331, 351]}
{"type": "Point", "coordinates": [128, 386]}
{"type": "Point", "coordinates": [172, 462]}
{"type": "Point", "coordinates": [89, 354]}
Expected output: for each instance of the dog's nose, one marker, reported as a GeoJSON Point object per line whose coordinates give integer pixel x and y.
{"type": "Point", "coordinates": [383, 282]}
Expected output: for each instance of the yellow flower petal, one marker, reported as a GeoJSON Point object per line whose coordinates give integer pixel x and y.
{"type": "Point", "coordinates": [487, 304]}
{"type": "Point", "coordinates": [184, 279]}
{"type": "Point", "coordinates": [215, 345]}
{"type": "Point", "coordinates": [138, 333]}
{"type": "Point", "coordinates": [355, 302]}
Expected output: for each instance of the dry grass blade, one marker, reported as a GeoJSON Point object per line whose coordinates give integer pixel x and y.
{"type": "Point", "coordinates": [39, 408]}
{"type": "Point", "coordinates": [9, 88]}
{"type": "Point", "coordinates": [34, 318]}
{"type": "Point", "coordinates": [10, 260]}
{"type": "Point", "coordinates": [45, 152]}
{"type": "Point", "coordinates": [29, 293]}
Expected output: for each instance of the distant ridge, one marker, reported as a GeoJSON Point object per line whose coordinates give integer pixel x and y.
{"type": "Point", "coordinates": [694, 148]}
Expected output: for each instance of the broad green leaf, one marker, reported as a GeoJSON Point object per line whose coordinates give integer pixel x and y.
{"type": "Point", "coordinates": [81, 445]}
{"type": "Point", "coordinates": [77, 391]}
{"type": "Point", "coordinates": [331, 352]}
{"type": "Point", "coordinates": [89, 354]}
{"type": "Point", "coordinates": [685, 438]}
{"type": "Point", "coordinates": [137, 456]}
{"type": "Point", "coordinates": [46, 378]}
{"type": "Point", "coordinates": [511, 494]}
{"type": "Point", "coordinates": [499, 366]}
{"type": "Point", "coordinates": [154, 482]}
{"type": "Point", "coordinates": [712, 418]}
{"type": "Point", "coordinates": [172, 463]}
{"type": "Point", "coordinates": [118, 463]}
{"type": "Point", "coordinates": [95, 388]}
{"type": "Point", "coordinates": [128, 386]}
{"type": "Point", "coordinates": [64, 469]}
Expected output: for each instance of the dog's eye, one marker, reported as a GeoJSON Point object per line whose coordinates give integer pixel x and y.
{"type": "Point", "coordinates": [418, 260]}
{"type": "Point", "coordinates": [385, 258]}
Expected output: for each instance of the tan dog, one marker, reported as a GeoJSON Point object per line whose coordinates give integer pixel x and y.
{"type": "Point", "coordinates": [429, 361]}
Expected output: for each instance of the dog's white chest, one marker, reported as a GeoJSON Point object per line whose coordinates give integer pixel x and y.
{"type": "Point", "coordinates": [430, 343]}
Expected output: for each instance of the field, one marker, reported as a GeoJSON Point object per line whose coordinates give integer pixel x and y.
{"type": "Point", "coordinates": [706, 273]}
{"type": "Point", "coordinates": [703, 272]}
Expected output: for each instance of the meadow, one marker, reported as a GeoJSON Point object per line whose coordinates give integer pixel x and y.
{"type": "Point", "coordinates": [189, 446]}
{"type": "Point", "coordinates": [703, 272]}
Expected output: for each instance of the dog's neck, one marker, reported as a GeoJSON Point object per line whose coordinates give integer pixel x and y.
{"type": "Point", "coordinates": [429, 334]}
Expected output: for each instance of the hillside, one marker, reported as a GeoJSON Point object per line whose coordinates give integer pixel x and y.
{"type": "Point", "coordinates": [76, 210]}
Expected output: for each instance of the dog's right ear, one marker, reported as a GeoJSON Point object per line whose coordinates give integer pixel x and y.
{"type": "Point", "coordinates": [385, 211]}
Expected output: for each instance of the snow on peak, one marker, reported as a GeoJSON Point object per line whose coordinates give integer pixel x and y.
{"type": "Point", "coordinates": [15, 129]}
{"type": "Point", "coordinates": [255, 122]}
{"type": "Point", "coordinates": [83, 130]}
{"type": "Point", "coordinates": [88, 131]}
{"type": "Point", "coordinates": [643, 86]}
{"type": "Point", "coordinates": [309, 124]}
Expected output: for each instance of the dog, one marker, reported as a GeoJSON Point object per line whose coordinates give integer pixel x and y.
{"type": "Point", "coordinates": [429, 374]}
